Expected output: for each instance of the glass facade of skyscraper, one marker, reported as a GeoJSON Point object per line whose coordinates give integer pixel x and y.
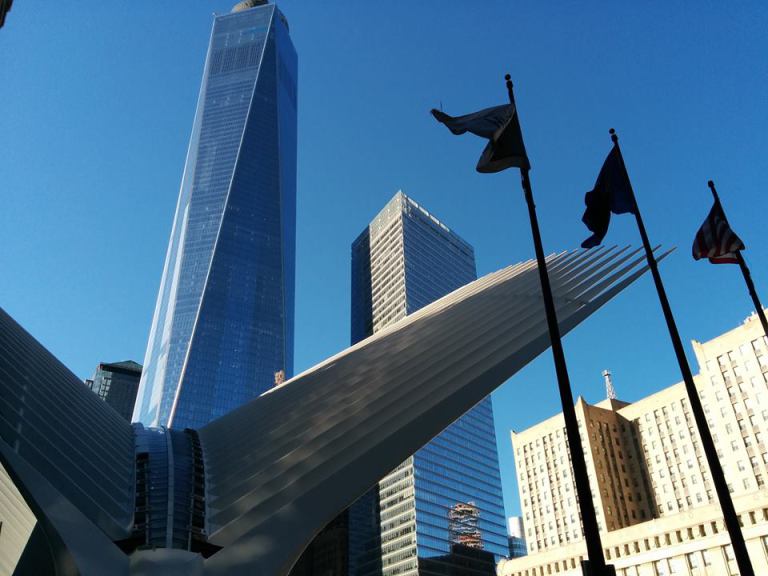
{"type": "Point", "coordinates": [223, 323]}
{"type": "Point", "coordinates": [441, 511]}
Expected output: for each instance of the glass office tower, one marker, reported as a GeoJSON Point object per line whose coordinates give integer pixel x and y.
{"type": "Point", "coordinates": [441, 511]}
{"type": "Point", "coordinates": [223, 323]}
{"type": "Point", "coordinates": [117, 384]}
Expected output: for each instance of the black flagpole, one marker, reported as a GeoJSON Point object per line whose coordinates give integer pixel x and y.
{"type": "Point", "coordinates": [596, 565]}
{"type": "Point", "coordinates": [718, 478]}
{"type": "Point", "coordinates": [744, 269]}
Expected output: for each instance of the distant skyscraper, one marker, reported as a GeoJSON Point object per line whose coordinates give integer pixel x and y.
{"type": "Point", "coordinates": [223, 323]}
{"type": "Point", "coordinates": [517, 546]}
{"type": "Point", "coordinates": [117, 384]}
{"type": "Point", "coordinates": [444, 503]}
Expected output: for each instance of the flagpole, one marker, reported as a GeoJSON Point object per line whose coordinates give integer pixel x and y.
{"type": "Point", "coordinates": [718, 478]}
{"type": "Point", "coordinates": [596, 565]}
{"type": "Point", "coordinates": [744, 269]}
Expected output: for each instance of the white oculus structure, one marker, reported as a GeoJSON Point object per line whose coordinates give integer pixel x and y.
{"type": "Point", "coordinates": [246, 493]}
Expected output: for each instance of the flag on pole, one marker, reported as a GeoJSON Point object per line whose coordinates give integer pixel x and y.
{"type": "Point", "coordinates": [501, 127]}
{"type": "Point", "coordinates": [612, 193]}
{"type": "Point", "coordinates": [715, 239]}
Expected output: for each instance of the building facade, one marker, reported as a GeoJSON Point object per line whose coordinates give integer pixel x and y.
{"type": "Point", "coordinates": [117, 384]}
{"type": "Point", "coordinates": [223, 323]}
{"type": "Point", "coordinates": [651, 485]}
{"type": "Point", "coordinates": [442, 508]}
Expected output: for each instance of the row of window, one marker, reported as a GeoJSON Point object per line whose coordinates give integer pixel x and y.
{"type": "Point", "coordinates": [676, 565]}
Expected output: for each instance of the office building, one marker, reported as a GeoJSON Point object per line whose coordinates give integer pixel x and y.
{"type": "Point", "coordinates": [223, 322]}
{"type": "Point", "coordinates": [117, 384]}
{"type": "Point", "coordinates": [116, 498]}
{"type": "Point", "coordinates": [447, 496]}
{"type": "Point", "coordinates": [651, 485]}
{"type": "Point", "coordinates": [516, 533]}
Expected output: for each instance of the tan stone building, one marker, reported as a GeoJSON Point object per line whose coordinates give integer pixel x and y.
{"type": "Point", "coordinates": [651, 485]}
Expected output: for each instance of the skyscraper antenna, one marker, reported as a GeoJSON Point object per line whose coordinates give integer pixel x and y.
{"type": "Point", "coordinates": [610, 391]}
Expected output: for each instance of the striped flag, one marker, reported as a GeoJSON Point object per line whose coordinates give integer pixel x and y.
{"type": "Point", "coordinates": [715, 239]}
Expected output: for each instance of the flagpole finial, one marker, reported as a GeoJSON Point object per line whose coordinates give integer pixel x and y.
{"type": "Point", "coordinates": [511, 94]}
{"type": "Point", "coordinates": [711, 185]}
{"type": "Point", "coordinates": [614, 136]}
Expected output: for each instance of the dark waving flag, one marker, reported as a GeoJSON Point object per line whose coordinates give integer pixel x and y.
{"type": "Point", "coordinates": [501, 127]}
{"type": "Point", "coordinates": [612, 193]}
{"type": "Point", "coordinates": [715, 240]}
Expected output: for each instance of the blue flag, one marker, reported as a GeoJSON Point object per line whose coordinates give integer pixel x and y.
{"type": "Point", "coordinates": [612, 193]}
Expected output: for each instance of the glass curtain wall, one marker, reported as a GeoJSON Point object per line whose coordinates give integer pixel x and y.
{"type": "Point", "coordinates": [441, 511]}
{"type": "Point", "coordinates": [223, 323]}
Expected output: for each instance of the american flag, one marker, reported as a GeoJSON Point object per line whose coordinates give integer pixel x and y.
{"type": "Point", "coordinates": [715, 239]}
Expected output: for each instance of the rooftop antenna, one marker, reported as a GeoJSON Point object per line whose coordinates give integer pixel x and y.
{"type": "Point", "coordinates": [610, 391]}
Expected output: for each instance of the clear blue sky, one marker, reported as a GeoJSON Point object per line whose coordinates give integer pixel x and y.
{"type": "Point", "coordinates": [97, 101]}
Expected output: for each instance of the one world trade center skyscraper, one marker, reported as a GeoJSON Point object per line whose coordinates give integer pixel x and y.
{"type": "Point", "coordinates": [223, 322]}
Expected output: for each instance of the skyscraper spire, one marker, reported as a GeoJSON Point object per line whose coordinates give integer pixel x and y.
{"type": "Point", "coordinates": [610, 391]}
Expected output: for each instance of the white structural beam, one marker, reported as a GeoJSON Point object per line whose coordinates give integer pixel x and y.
{"type": "Point", "coordinates": [281, 467]}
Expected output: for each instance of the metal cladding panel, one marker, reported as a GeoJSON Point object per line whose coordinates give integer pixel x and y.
{"type": "Point", "coordinates": [52, 421]}
{"type": "Point", "coordinates": [329, 434]}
